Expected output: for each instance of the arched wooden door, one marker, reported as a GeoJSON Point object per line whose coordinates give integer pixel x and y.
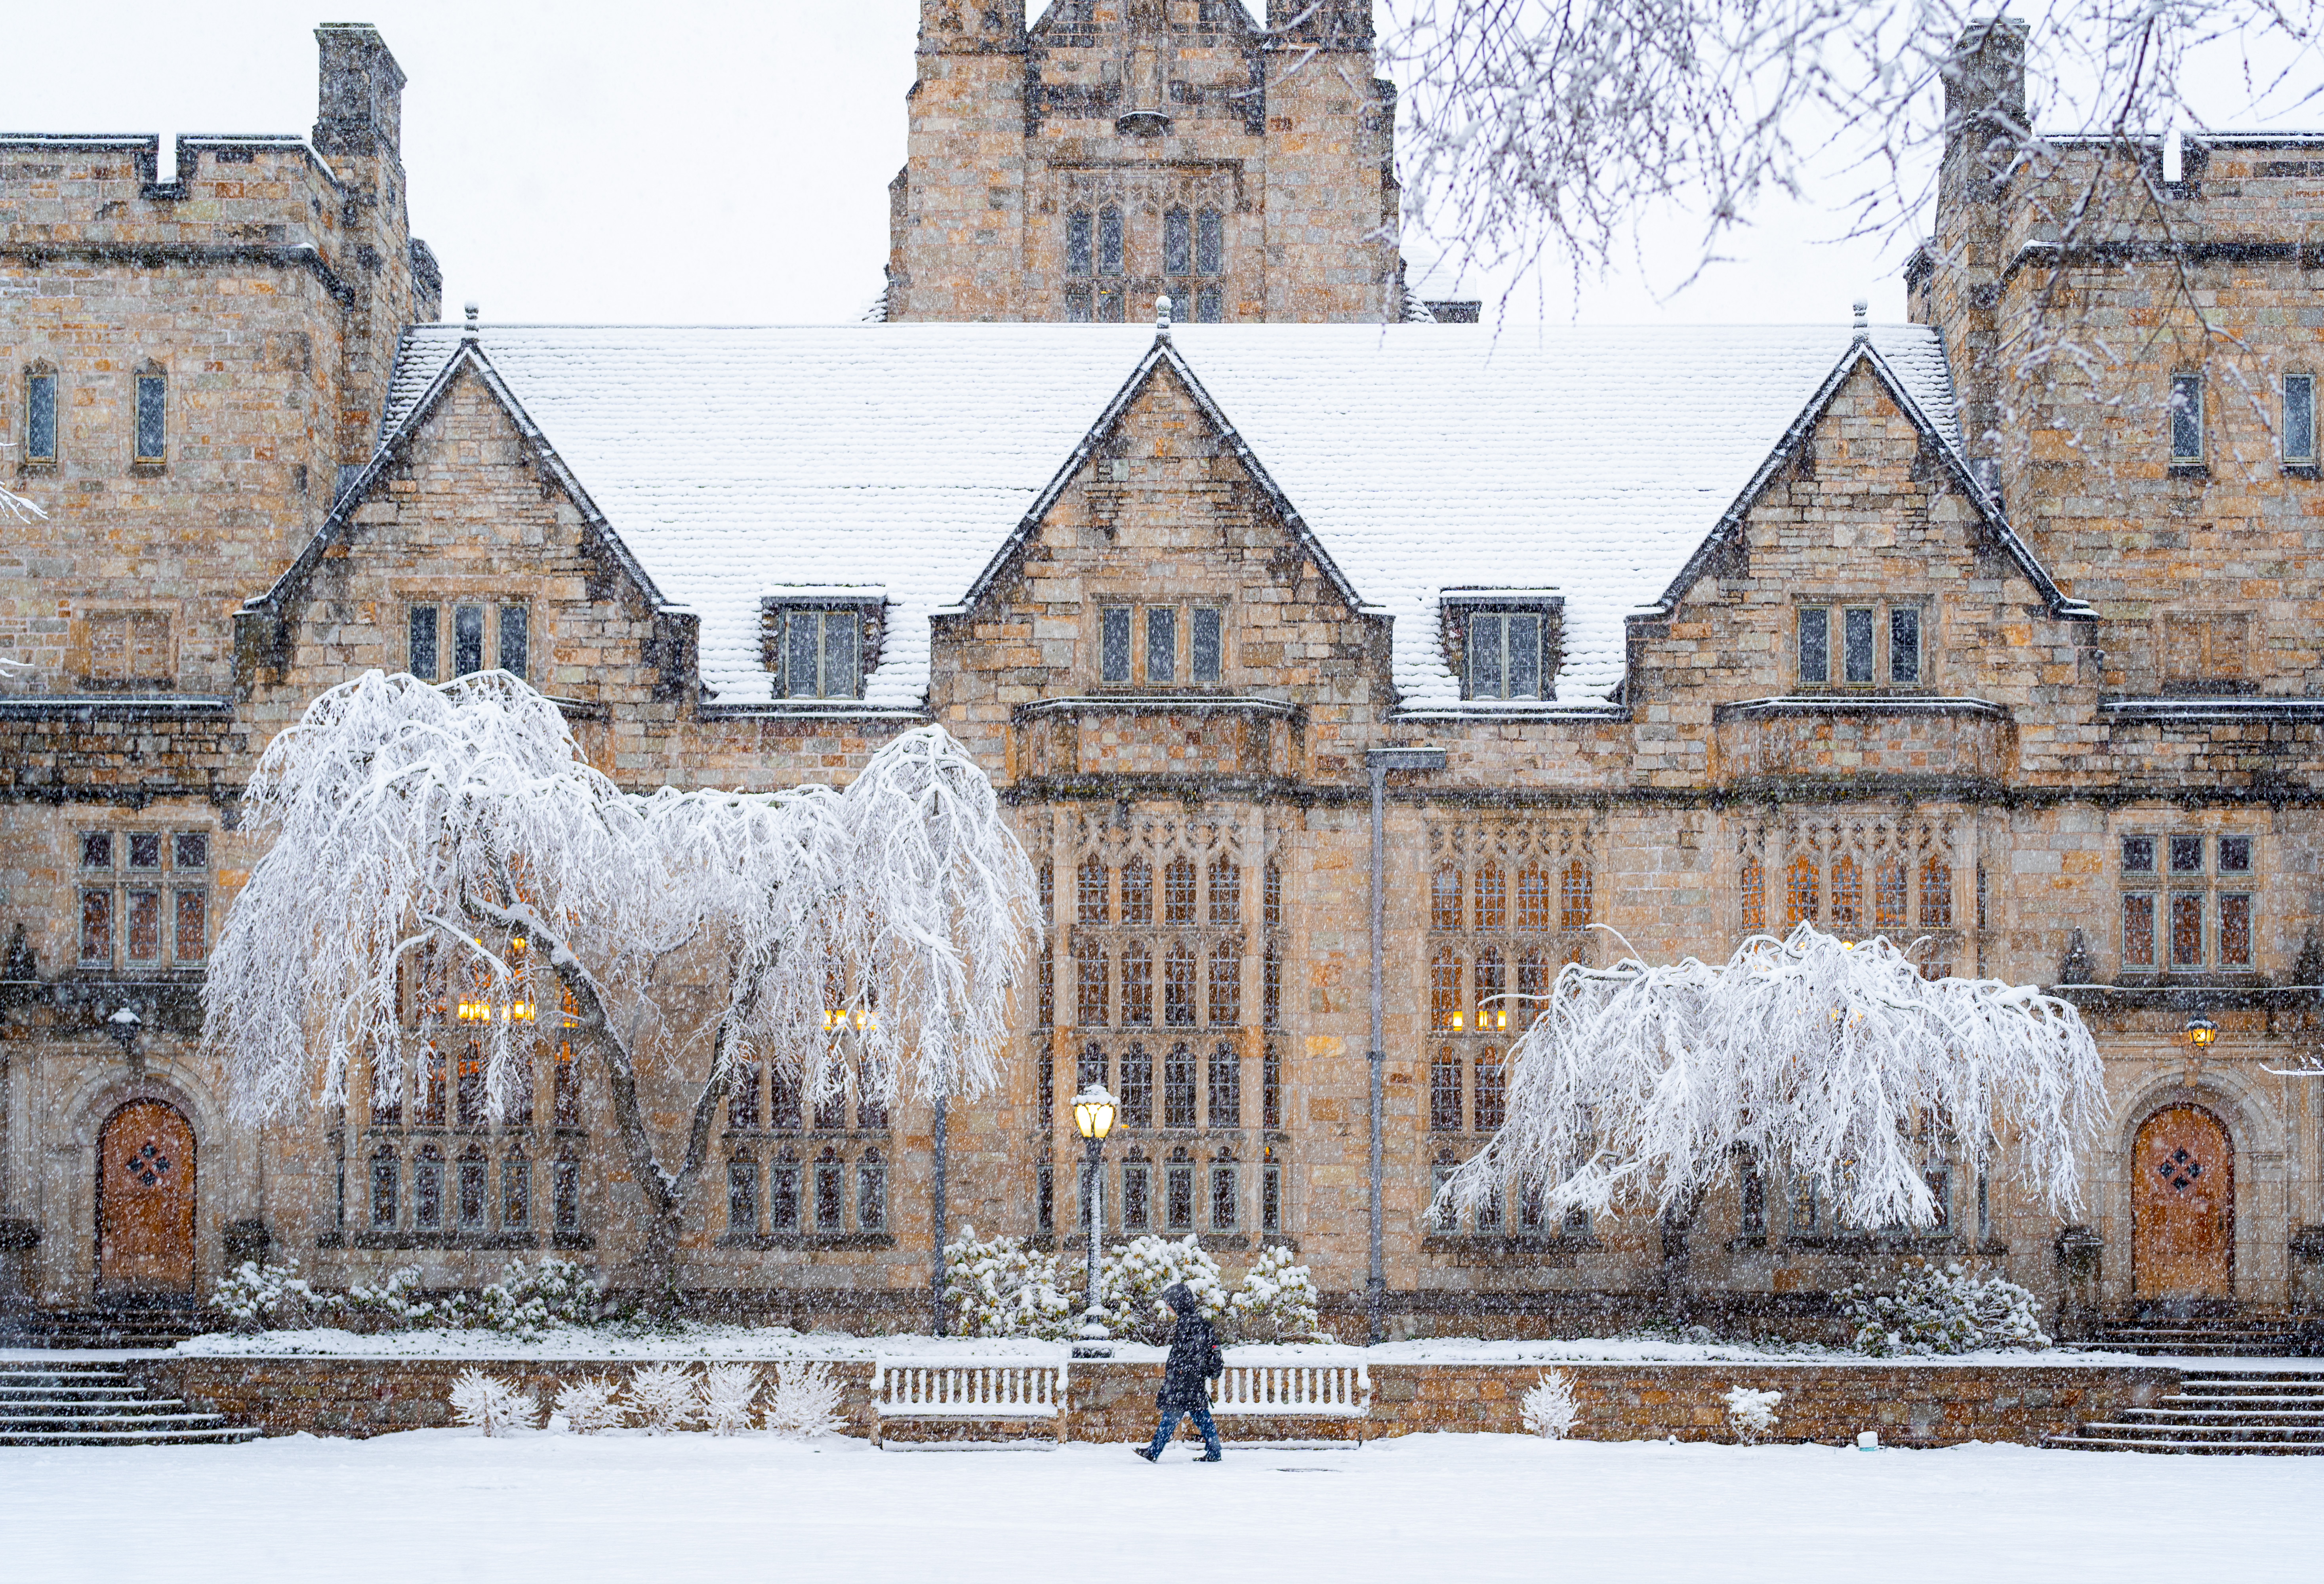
{"type": "Point", "coordinates": [2182, 1207]}
{"type": "Point", "coordinates": [146, 1202]}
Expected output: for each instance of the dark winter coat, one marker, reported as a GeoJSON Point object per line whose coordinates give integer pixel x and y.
{"type": "Point", "coordinates": [1193, 1345]}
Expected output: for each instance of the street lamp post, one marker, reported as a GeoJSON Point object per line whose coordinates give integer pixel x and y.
{"type": "Point", "coordinates": [125, 1026]}
{"type": "Point", "coordinates": [1379, 761]}
{"type": "Point", "coordinates": [1093, 1110]}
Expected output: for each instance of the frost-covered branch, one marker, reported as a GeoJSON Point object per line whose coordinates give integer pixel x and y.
{"type": "Point", "coordinates": [1830, 1059]}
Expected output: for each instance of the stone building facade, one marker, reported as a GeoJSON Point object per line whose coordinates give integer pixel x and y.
{"type": "Point", "coordinates": [1718, 631]}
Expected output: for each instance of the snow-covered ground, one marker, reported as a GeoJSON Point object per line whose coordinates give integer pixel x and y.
{"type": "Point", "coordinates": [448, 1505]}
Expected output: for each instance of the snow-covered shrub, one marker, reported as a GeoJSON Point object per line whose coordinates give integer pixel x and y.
{"type": "Point", "coordinates": [1135, 1274]}
{"type": "Point", "coordinates": [1943, 1310]}
{"type": "Point", "coordinates": [587, 1406]}
{"type": "Point", "coordinates": [805, 1402]}
{"type": "Point", "coordinates": [529, 1299]}
{"type": "Point", "coordinates": [1548, 1408]}
{"type": "Point", "coordinates": [1277, 1303]}
{"type": "Point", "coordinates": [1001, 1287]}
{"type": "Point", "coordinates": [489, 1404]}
{"type": "Point", "coordinates": [1751, 1413]}
{"type": "Point", "coordinates": [389, 1307]}
{"type": "Point", "coordinates": [268, 1297]}
{"type": "Point", "coordinates": [730, 1398]}
{"type": "Point", "coordinates": [665, 1397]}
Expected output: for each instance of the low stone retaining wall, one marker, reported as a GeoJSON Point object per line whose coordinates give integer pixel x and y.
{"type": "Point", "coordinates": [1909, 1405]}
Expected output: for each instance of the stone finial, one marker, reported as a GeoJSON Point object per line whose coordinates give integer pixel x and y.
{"type": "Point", "coordinates": [472, 310]}
{"type": "Point", "coordinates": [1863, 324]}
{"type": "Point", "coordinates": [2076, 967]}
{"type": "Point", "coordinates": [1162, 314]}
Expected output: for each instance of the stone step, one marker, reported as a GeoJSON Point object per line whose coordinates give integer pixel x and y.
{"type": "Point", "coordinates": [13, 1422]}
{"type": "Point", "coordinates": [2211, 1414]}
{"type": "Point", "coordinates": [2245, 1448]}
{"type": "Point", "coordinates": [220, 1435]}
{"type": "Point", "coordinates": [2306, 1434]}
{"type": "Point", "coordinates": [103, 1405]}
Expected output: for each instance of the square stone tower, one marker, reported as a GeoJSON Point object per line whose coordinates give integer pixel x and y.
{"type": "Point", "coordinates": [1120, 150]}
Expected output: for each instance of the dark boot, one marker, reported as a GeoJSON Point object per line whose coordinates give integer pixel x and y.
{"type": "Point", "coordinates": [1149, 1453]}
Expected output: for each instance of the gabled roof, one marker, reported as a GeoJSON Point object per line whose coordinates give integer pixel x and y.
{"type": "Point", "coordinates": [1862, 354]}
{"type": "Point", "coordinates": [724, 462]}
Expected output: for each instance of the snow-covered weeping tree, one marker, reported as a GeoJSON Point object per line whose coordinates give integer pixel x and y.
{"type": "Point", "coordinates": [450, 845]}
{"type": "Point", "coordinates": [1824, 1059]}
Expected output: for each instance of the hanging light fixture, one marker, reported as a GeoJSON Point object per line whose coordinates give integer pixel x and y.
{"type": "Point", "coordinates": [2201, 1032]}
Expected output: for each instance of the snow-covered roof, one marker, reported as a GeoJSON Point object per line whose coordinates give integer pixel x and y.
{"type": "Point", "coordinates": [733, 462]}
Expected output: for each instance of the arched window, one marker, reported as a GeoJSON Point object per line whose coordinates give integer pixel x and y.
{"type": "Point", "coordinates": [1533, 898]}
{"type": "Point", "coordinates": [1492, 898]}
{"type": "Point", "coordinates": [1226, 1195]}
{"type": "Point", "coordinates": [1847, 894]}
{"type": "Point", "coordinates": [830, 1191]}
{"type": "Point", "coordinates": [1492, 1090]}
{"type": "Point", "coordinates": [870, 1098]}
{"type": "Point", "coordinates": [470, 1094]}
{"type": "Point", "coordinates": [1178, 891]}
{"type": "Point", "coordinates": [1090, 1071]}
{"type": "Point", "coordinates": [1178, 1192]}
{"type": "Point", "coordinates": [1137, 1193]}
{"type": "Point", "coordinates": [1271, 1193]}
{"type": "Point", "coordinates": [1888, 897]}
{"type": "Point", "coordinates": [1445, 1215]}
{"type": "Point", "coordinates": [1209, 242]}
{"type": "Point", "coordinates": [428, 1190]}
{"type": "Point", "coordinates": [1226, 890]}
{"type": "Point", "coordinates": [1271, 1087]}
{"type": "Point", "coordinates": [429, 1112]}
{"type": "Point", "coordinates": [1444, 990]}
{"type": "Point", "coordinates": [1532, 980]}
{"type": "Point", "coordinates": [387, 1187]}
{"type": "Point", "coordinates": [1226, 984]}
{"type": "Point", "coordinates": [1138, 984]}
{"type": "Point", "coordinates": [1492, 988]}
{"type": "Point", "coordinates": [1138, 892]}
{"type": "Point", "coordinates": [1178, 1088]}
{"type": "Point", "coordinates": [743, 1195]}
{"type": "Point", "coordinates": [387, 1093]}
{"type": "Point", "coordinates": [1444, 899]}
{"type": "Point", "coordinates": [1936, 892]}
{"type": "Point", "coordinates": [1444, 1091]}
{"type": "Point", "coordinates": [831, 1110]}
{"type": "Point", "coordinates": [1044, 995]}
{"type": "Point", "coordinates": [1089, 974]}
{"type": "Point", "coordinates": [743, 1097]}
{"type": "Point", "coordinates": [564, 1194]}
{"type": "Point", "coordinates": [1226, 1086]}
{"type": "Point", "coordinates": [516, 1108]}
{"type": "Point", "coordinates": [1178, 242]}
{"type": "Point", "coordinates": [474, 1188]}
{"type": "Point", "coordinates": [516, 1191]}
{"type": "Point", "coordinates": [1077, 242]}
{"type": "Point", "coordinates": [1753, 887]}
{"type": "Point", "coordinates": [1270, 986]}
{"type": "Point", "coordinates": [1271, 896]}
{"type": "Point", "coordinates": [1090, 892]}
{"type": "Point", "coordinates": [1109, 241]}
{"type": "Point", "coordinates": [788, 1109]}
{"type": "Point", "coordinates": [1136, 1088]}
{"type": "Point", "coordinates": [1573, 896]}
{"type": "Point", "coordinates": [1178, 985]}
{"type": "Point", "coordinates": [870, 1192]}
{"type": "Point", "coordinates": [1803, 893]}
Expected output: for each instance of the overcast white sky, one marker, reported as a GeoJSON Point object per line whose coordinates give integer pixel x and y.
{"type": "Point", "coordinates": [686, 160]}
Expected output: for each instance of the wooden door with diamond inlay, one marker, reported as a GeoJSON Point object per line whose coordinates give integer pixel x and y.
{"type": "Point", "coordinates": [2182, 1207]}
{"type": "Point", "coordinates": [145, 1201]}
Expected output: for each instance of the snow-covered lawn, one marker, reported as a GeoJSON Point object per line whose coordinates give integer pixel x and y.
{"type": "Point", "coordinates": [448, 1505]}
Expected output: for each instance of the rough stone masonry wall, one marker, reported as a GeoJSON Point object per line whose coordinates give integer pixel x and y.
{"type": "Point", "coordinates": [1908, 1405]}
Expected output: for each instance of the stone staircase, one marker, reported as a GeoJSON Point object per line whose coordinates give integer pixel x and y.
{"type": "Point", "coordinates": [2203, 1337]}
{"type": "Point", "coordinates": [85, 1328]}
{"type": "Point", "coordinates": [76, 1405]}
{"type": "Point", "coordinates": [2215, 1411]}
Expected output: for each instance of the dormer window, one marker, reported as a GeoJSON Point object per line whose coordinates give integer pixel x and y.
{"type": "Point", "coordinates": [1870, 644]}
{"type": "Point", "coordinates": [1507, 644]}
{"type": "Point", "coordinates": [819, 647]}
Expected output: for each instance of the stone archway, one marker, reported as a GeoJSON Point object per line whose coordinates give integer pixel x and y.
{"type": "Point", "coordinates": [145, 1204]}
{"type": "Point", "coordinates": [2182, 1208]}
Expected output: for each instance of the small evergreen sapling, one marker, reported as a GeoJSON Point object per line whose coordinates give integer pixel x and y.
{"type": "Point", "coordinates": [1548, 1408]}
{"type": "Point", "coordinates": [588, 1406]}
{"type": "Point", "coordinates": [487, 1404]}
{"type": "Point", "coordinates": [666, 1397]}
{"type": "Point", "coordinates": [1751, 1413]}
{"type": "Point", "coordinates": [730, 1398]}
{"type": "Point", "coordinates": [805, 1402]}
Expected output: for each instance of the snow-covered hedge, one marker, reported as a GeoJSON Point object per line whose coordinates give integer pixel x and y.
{"type": "Point", "coordinates": [1004, 1287]}
{"type": "Point", "coordinates": [526, 1300]}
{"type": "Point", "coordinates": [1277, 1303]}
{"type": "Point", "coordinates": [1136, 1274]}
{"type": "Point", "coordinates": [1943, 1310]}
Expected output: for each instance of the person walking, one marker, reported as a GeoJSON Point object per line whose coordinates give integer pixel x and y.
{"type": "Point", "coordinates": [1194, 1362]}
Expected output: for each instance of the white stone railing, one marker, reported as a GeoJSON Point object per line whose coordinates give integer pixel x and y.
{"type": "Point", "coordinates": [1304, 1391]}
{"type": "Point", "coordinates": [941, 1389]}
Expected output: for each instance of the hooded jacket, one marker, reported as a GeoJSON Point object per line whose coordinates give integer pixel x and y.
{"type": "Point", "coordinates": [1185, 1378]}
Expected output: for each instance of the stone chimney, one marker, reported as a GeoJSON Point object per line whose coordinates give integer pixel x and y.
{"type": "Point", "coordinates": [1985, 98]}
{"type": "Point", "coordinates": [360, 104]}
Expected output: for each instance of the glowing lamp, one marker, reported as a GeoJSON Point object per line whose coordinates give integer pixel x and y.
{"type": "Point", "coordinates": [2201, 1032]}
{"type": "Point", "coordinates": [1093, 1110]}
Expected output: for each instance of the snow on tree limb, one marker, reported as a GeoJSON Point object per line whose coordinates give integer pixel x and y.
{"type": "Point", "coordinates": [1829, 1059]}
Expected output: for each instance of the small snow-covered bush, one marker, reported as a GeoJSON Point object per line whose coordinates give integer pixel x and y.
{"type": "Point", "coordinates": [730, 1398]}
{"type": "Point", "coordinates": [1135, 1274]}
{"type": "Point", "coordinates": [258, 1297]}
{"type": "Point", "coordinates": [1751, 1413]}
{"type": "Point", "coordinates": [1548, 1408]}
{"type": "Point", "coordinates": [1943, 1308]}
{"type": "Point", "coordinates": [587, 1406]}
{"type": "Point", "coordinates": [805, 1402]}
{"type": "Point", "coordinates": [1277, 1302]}
{"type": "Point", "coordinates": [1001, 1287]}
{"type": "Point", "coordinates": [665, 1397]}
{"type": "Point", "coordinates": [389, 1307]}
{"type": "Point", "coordinates": [489, 1404]}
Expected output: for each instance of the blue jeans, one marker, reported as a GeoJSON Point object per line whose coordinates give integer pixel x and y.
{"type": "Point", "coordinates": [1201, 1414]}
